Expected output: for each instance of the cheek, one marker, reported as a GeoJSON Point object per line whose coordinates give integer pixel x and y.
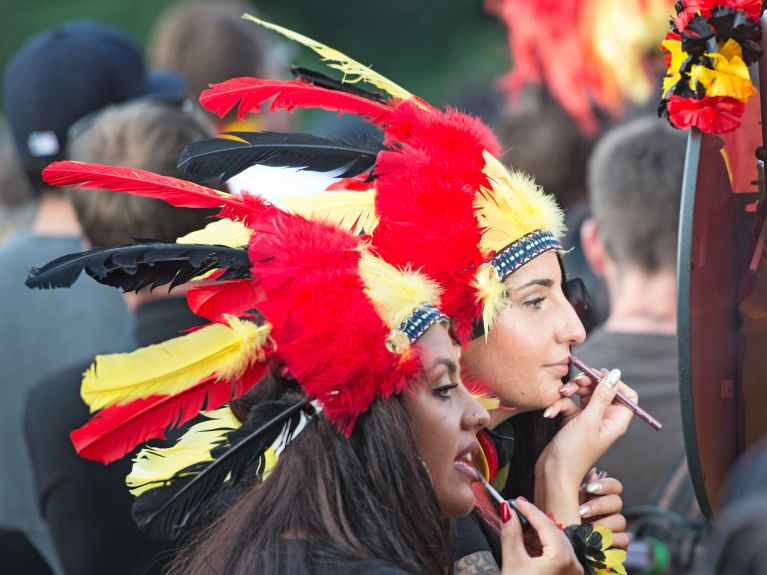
{"type": "Point", "coordinates": [507, 355]}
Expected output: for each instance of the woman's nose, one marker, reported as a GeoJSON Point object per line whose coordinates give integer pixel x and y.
{"type": "Point", "coordinates": [475, 416]}
{"type": "Point", "coordinates": [571, 330]}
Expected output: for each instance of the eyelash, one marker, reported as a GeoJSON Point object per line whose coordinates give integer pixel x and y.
{"type": "Point", "coordinates": [535, 303]}
{"type": "Point", "coordinates": [443, 391]}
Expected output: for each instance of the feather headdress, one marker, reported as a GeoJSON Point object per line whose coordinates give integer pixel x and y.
{"type": "Point", "coordinates": [299, 293]}
{"type": "Point", "coordinates": [289, 293]}
{"type": "Point", "coordinates": [441, 200]}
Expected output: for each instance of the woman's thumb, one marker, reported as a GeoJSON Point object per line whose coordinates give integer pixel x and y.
{"type": "Point", "coordinates": [604, 393]}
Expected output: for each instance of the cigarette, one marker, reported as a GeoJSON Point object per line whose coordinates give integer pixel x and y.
{"type": "Point", "coordinates": [596, 377]}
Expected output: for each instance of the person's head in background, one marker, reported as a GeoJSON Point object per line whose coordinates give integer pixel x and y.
{"type": "Point", "coordinates": [209, 42]}
{"type": "Point", "coordinates": [61, 75]}
{"type": "Point", "coordinates": [540, 138]}
{"type": "Point", "coordinates": [635, 184]}
{"type": "Point", "coordinates": [148, 135]}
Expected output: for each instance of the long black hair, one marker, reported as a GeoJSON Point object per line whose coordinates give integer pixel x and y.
{"type": "Point", "coordinates": [332, 499]}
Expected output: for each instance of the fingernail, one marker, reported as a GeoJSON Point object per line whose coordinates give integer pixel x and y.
{"type": "Point", "coordinates": [595, 487]}
{"type": "Point", "coordinates": [548, 413]}
{"type": "Point", "coordinates": [613, 378]}
{"type": "Point", "coordinates": [523, 499]}
{"type": "Point", "coordinates": [584, 510]}
{"type": "Point", "coordinates": [505, 511]}
{"type": "Point", "coordinates": [601, 474]}
{"type": "Point", "coordinates": [563, 389]}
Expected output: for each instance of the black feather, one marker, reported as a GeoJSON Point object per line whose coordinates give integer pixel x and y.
{"type": "Point", "coordinates": [166, 512]}
{"type": "Point", "coordinates": [324, 81]}
{"type": "Point", "coordinates": [223, 157]}
{"type": "Point", "coordinates": [134, 266]}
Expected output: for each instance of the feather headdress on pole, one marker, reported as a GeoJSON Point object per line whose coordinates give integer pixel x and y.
{"type": "Point", "coordinates": [441, 200]}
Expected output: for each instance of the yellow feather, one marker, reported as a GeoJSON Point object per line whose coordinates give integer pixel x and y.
{"type": "Point", "coordinates": [513, 207]}
{"type": "Point", "coordinates": [341, 61]}
{"type": "Point", "coordinates": [222, 232]}
{"type": "Point", "coordinates": [395, 293]}
{"type": "Point", "coordinates": [174, 365]}
{"type": "Point", "coordinates": [491, 292]}
{"type": "Point", "coordinates": [489, 402]}
{"type": "Point", "coordinates": [350, 210]}
{"type": "Point", "coordinates": [155, 466]}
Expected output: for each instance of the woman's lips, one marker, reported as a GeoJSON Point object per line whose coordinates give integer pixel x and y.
{"type": "Point", "coordinates": [464, 463]}
{"type": "Point", "coordinates": [466, 468]}
{"type": "Point", "coordinates": [561, 369]}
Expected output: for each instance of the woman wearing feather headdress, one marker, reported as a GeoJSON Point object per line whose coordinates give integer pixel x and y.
{"type": "Point", "coordinates": [433, 194]}
{"type": "Point", "coordinates": [438, 199]}
{"type": "Point", "coordinates": [358, 391]}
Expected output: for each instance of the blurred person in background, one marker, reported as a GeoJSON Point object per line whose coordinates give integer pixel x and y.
{"type": "Point", "coordinates": [737, 539]}
{"type": "Point", "coordinates": [16, 195]}
{"type": "Point", "coordinates": [58, 77]}
{"type": "Point", "coordinates": [635, 184]}
{"type": "Point", "coordinates": [209, 42]}
{"type": "Point", "coordinates": [86, 504]}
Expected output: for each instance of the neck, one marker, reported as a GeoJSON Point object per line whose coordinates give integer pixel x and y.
{"type": "Point", "coordinates": [641, 302]}
{"type": "Point", "coordinates": [55, 216]}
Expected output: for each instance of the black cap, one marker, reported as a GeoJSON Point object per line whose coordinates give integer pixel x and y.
{"type": "Point", "coordinates": [61, 75]}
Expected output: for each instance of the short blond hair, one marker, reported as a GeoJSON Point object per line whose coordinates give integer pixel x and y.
{"type": "Point", "coordinates": [145, 135]}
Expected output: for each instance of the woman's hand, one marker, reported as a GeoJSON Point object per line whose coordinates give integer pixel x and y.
{"type": "Point", "coordinates": [585, 437]}
{"type": "Point", "coordinates": [581, 386]}
{"type": "Point", "coordinates": [556, 557]}
{"type": "Point", "coordinates": [601, 504]}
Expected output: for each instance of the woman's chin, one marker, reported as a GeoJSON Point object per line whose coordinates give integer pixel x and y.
{"type": "Point", "coordinates": [460, 503]}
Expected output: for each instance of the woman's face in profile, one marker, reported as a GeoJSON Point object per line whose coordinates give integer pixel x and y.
{"type": "Point", "coordinates": [445, 420]}
{"type": "Point", "coordinates": [526, 352]}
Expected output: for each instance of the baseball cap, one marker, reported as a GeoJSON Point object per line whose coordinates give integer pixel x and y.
{"type": "Point", "coordinates": [63, 74]}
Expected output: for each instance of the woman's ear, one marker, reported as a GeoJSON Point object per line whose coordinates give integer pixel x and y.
{"type": "Point", "coordinates": [593, 248]}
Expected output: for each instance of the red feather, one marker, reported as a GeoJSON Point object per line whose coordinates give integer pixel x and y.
{"type": "Point", "coordinates": [422, 192]}
{"type": "Point", "coordinates": [325, 328]}
{"type": "Point", "coordinates": [213, 301]}
{"type": "Point", "coordinates": [118, 429]}
{"type": "Point", "coordinates": [179, 193]}
{"type": "Point", "coordinates": [251, 93]}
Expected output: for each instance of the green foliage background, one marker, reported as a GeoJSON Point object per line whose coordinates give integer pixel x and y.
{"type": "Point", "coordinates": [436, 49]}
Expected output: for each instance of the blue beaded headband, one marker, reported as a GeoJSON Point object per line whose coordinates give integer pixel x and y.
{"type": "Point", "coordinates": [410, 330]}
{"type": "Point", "coordinates": [517, 254]}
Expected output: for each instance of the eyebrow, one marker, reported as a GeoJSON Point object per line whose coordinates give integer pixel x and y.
{"type": "Point", "coordinates": [540, 282]}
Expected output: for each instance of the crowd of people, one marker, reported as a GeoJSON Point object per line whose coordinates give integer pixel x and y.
{"type": "Point", "coordinates": [332, 353]}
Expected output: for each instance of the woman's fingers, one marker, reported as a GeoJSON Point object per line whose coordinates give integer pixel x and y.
{"type": "Point", "coordinates": [621, 540]}
{"type": "Point", "coordinates": [538, 520]}
{"type": "Point", "coordinates": [513, 551]}
{"type": "Point", "coordinates": [599, 506]}
{"type": "Point", "coordinates": [603, 395]}
{"type": "Point", "coordinates": [616, 523]}
{"type": "Point", "coordinates": [564, 406]}
{"type": "Point", "coordinates": [605, 486]}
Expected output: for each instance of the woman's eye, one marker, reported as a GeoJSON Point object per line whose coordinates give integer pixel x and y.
{"type": "Point", "coordinates": [535, 303]}
{"type": "Point", "coordinates": [444, 391]}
